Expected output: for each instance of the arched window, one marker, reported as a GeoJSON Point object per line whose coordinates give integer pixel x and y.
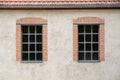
{"type": "Point", "coordinates": [88, 39]}
{"type": "Point", "coordinates": [31, 40]}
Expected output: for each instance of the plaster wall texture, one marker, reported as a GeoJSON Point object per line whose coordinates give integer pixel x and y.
{"type": "Point", "coordinates": [60, 64]}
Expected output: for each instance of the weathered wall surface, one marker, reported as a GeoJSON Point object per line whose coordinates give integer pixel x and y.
{"type": "Point", "coordinates": [60, 65]}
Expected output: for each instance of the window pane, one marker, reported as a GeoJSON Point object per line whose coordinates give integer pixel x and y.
{"type": "Point", "coordinates": [24, 29]}
{"type": "Point", "coordinates": [88, 28]}
{"type": "Point", "coordinates": [95, 28]}
{"type": "Point", "coordinates": [25, 38]}
{"type": "Point", "coordinates": [32, 38]}
{"type": "Point", "coordinates": [32, 29]}
{"type": "Point", "coordinates": [88, 47]}
{"type": "Point", "coordinates": [95, 56]}
{"type": "Point", "coordinates": [88, 38]}
{"type": "Point", "coordinates": [32, 56]}
{"type": "Point", "coordinates": [38, 56]}
{"type": "Point", "coordinates": [81, 38]}
{"type": "Point", "coordinates": [24, 56]}
{"type": "Point", "coordinates": [32, 47]}
{"type": "Point", "coordinates": [81, 47]}
{"type": "Point", "coordinates": [81, 56]}
{"type": "Point", "coordinates": [39, 29]}
{"type": "Point", "coordinates": [88, 56]}
{"type": "Point", "coordinates": [95, 47]}
{"type": "Point", "coordinates": [25, 47]}
{"type": "Point", "coordinates": [39, 47]}
{"type": "Point", "coordinates": [39, 38]}
{"type": "Point", "coordinates": [80, 28]}
{"type": "Point", "coordinates": [95, 38]}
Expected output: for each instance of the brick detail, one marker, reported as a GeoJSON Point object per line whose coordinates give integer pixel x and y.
{"type": "Point", "coordinates": [75, 43]}
{"type": "Point", "coordinates": [101, 40]}
{"type": "Point", "coordinates": [88, 20]}
{"type": "Point", "coordinates": [44, 39]}
{"type": "Point", "coordinates": [18, 43]}
{"type": "Point", "coordinates": [31, 20]}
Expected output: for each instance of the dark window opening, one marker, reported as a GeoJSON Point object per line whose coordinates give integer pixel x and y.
{"type": "Point", "coordinates": [88, 42]}
{"type": "Point", "coordinates": [81, 56]}
{"type": "Point", "coordinates": [31, 43]}
{"type": "Point", "coordinates": [32, 56]}
{"type": "Point", "coordinates": [39, 56]}
{"type": "Point", "coordinates": [88, 56]}
{"type": "Point", "coordinates": [81, 38]}
{"type": "Point", "coordinates": [81, 47]}
{"type": "Point", "coordinates": [24, 56]}
{"type": "Point", "coordinates": [39, 29]}
{"type": "Point", "coordinates": [88, 28]}
{"type": "Point", "coordinates": [25, 38]}
{"type": "Point", "coordinates": [32, 38]}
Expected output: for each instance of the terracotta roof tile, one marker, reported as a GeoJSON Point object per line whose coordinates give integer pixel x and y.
{"type": "Point", "coordinates": [53, 3]}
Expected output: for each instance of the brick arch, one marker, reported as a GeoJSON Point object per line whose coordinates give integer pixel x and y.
{"type": "Point", "coordinates": [88, 20]}
{"type": "Point", "coordinates": [31, 20]}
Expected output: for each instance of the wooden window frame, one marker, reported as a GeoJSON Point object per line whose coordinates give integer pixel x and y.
{"type": "Point", "coordinates": [29, 21]}
{"type": "Point", "coordinates": [88, 20]}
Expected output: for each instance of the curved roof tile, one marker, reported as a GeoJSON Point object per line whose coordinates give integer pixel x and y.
{"type": "Point", "coordinates": [59, 3]}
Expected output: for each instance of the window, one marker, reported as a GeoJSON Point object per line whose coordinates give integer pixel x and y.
{"type": "Point", "coordinates": [31, 40]}
{"type": "Point", "coordinates": [88, 39]}
{"type": "Point", "coordinates": [88, 44]}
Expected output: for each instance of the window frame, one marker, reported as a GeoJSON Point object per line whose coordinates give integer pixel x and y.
{"type": "Point", "coordinates": [31, 21]}
{"type": "Point", "coordinates": [88, 20]}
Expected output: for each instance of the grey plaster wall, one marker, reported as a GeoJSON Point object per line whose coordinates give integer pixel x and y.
{"type": "Point", "coordinates": [60, 65]}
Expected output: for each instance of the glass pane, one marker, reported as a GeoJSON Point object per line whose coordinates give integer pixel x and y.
{"type": "Point", "coordinates": [38, 56]}
{"type": "Point", "coordinates": [80, 28]}
{"type": "Point", "coordinates": [95, 47]}
{"type": "Point", "coordinates": [95, 56]}
{"type": "Point", "coordinates": [32, 56]}
{"type": "Point", "coordinates": [39, 29]}
{"type": "Point", "coordinates": [25, 38]}
{"type": "Point", "coordinates": [95, 28]}
{"type": "Point", "coordinates": [81, 47]}
{"type": "Point", "coordinates": [81, 56]}
{"type": "Point", "coordinates": [25, 47]}
{"type": "Point", "coordinates": [95, 38]}
{"type": "Point", "coordinates": [24, 56]}
{"type": "Point", "coordinates": [88, 47]}
{"type": "Point", "coordinates": [24, 29]}
{"type": "Point", "coordinates": [88, 56]}
{"type": "Point", "coordinates": [80, 38]}
{"type": "Point", "coordinates": [88, 38]}
{"type": "Point", "coordinates": [39, 38]}
{"type": "Point", "coordinates": [39, 47]}
{"type": "Point", "coordinates": [32, 29]}
{"type": "Point", "coordinates": [88, 28]}
{"type": "Point", "coordinates": [32, 47]}
{"type": "Point", "coordinates": [32, 38]}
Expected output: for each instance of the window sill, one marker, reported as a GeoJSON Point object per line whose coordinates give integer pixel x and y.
{"type": "Point", "coordinates": [31, 61]}
{"type": "Point", "coordinates": [88, 61]}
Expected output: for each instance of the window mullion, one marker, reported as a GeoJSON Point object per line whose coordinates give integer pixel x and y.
{"type": "Point", "coordinates": [28, 43]}
{"type": "Point", "coordinates": [98, 42]}
{"type": "Point", "coordinates": [35, 43]}
{"type": "Point", "coordinates": [91, 43]}
{"type": "Point", "coordinates": [84, 43]}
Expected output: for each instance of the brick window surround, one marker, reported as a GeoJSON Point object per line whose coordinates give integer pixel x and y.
{"type": "Point", "coordinates": [88, 20]}
{"type": "Point", "coordinates": [31, 20]}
